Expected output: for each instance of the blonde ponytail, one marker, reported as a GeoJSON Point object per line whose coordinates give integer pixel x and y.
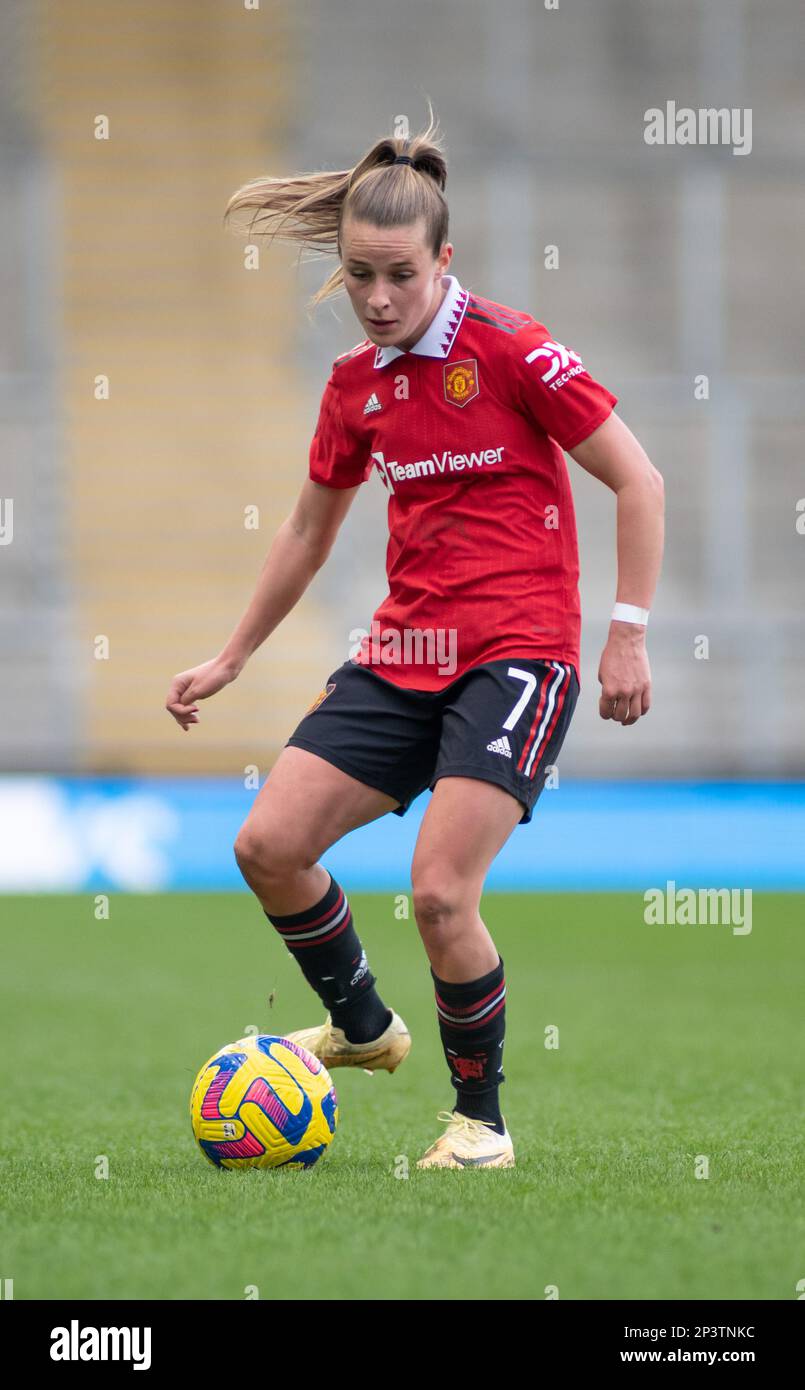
{"type": "Point", "coordinates": [310, 208]}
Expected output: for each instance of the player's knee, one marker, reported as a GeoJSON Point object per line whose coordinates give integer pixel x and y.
{"type": "Point", "coordinates": [268, 855]}
{"type": "Point", "coordinates": [437, 903]}
{"type": "Point", "coordinates": [247, 850]}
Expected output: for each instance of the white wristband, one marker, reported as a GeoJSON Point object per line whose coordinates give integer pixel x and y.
{"type": "Point", "coordinates": [628, 613]}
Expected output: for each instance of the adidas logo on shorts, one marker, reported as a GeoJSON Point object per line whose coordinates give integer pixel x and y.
{"type": "Point", "coordinates": [500, 745]}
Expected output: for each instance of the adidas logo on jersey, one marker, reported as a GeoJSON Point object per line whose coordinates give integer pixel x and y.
{"type": "Point", "coordinates": [500, 745]}
{"type": "Point", "coordinates": [372, 405]}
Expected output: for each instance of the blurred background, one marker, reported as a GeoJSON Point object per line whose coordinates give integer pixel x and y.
{"type": "Point", "coordinates": [155, 387]}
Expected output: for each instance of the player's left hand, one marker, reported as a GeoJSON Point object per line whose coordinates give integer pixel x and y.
{"type": "Point", "coordinates": [624, 674]}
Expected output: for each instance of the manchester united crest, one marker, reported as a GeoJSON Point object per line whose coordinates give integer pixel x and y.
{"type": "Point", "coordinates": [461, 381]}
{"type": "Point", "coordinates": [328, 690]}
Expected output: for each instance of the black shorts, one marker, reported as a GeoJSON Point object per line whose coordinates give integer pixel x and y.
{"type": "Point", "coordinates": [502, 722]}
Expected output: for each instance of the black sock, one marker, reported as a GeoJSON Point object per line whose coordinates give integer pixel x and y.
{"type": "Point", "coordinates": [324, 942]}
{"type": "Point", "coordinates": [472, 1025]}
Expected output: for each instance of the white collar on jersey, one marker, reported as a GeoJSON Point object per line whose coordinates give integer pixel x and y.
{"type": "Point", "coordinates": [439, 336]}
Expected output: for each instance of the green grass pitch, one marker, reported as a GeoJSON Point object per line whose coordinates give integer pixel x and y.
{"type": "Point", "coordinates": [674, 1042]}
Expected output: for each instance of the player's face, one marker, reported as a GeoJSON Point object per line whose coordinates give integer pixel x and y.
{"type": "Point", "coordinates": [393, 279]}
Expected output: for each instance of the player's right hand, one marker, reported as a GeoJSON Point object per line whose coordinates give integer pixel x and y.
{"type": "Point", "coordinates": [197, 684]}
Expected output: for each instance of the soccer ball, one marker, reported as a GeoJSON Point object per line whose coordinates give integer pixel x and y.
{"type": "Point", "coordinates": [263, 1102]}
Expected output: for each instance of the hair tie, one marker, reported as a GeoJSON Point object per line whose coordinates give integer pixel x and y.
{"type": "Point", "coordinates": [402, 159]}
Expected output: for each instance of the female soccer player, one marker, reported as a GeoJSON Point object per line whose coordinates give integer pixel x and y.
{"type": "Point", "coordinates": [468, 677]}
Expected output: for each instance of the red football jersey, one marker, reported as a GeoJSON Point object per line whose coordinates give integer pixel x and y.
{"type": "Point", "coordinates": [466, 431]}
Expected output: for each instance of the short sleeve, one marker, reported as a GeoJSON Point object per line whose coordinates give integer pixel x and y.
{"type": "Point", "coordinates": [554, 387]}
{"type": "Point", "coordinates": [337, 457]}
